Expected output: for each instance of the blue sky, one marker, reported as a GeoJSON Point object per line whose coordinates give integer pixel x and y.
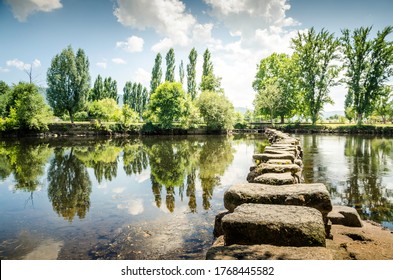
{"type": "Point", "coordinates": [122, 37]}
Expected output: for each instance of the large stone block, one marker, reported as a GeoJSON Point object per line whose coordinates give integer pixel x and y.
{"type": "Point", "coordinates": [310, 195]}
{"type": "Point", "coordinates": [280, 225]}
{"type": "Point", "coordinates": [346, 216]}
{"type": "Point", "coordinates": [273, 168]}
{"type": "Point", "coordinates": [275, 179]}
{"type": "Point", "coordinates": [265, 157]}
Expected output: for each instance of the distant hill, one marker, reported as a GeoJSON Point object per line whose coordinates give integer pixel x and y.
{"type": "Point", "coordinates": [328, 114]}
{"type": "Point", "coordinates": [241, 109]}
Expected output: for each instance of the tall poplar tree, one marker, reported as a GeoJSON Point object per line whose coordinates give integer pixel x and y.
{"type": "Point", "coordinates": [110, 89]}
{"type": "Point", "coordinates": [209, 81]}
{"type": "Point", "coordinates": [181, 72]}
{"type": "Point", "coordinates": [68, 82]}
{"type": "Point", "coordinates": [170, 66]}
{"type": "Point", "coordinates": [136, 96]}
{"type": "Point", "coordinates": [316, 53]}
{"type": "Point", "coordinates": [156, 73]}
{"type": "Point", "coordinates": [369, 65]}
{"type": "Point", "coordinates": [191, 73]}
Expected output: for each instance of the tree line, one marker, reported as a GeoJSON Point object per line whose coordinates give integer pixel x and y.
{"type": "Point", "coordinates": [166, 104]}
{"type": "Point", "coordinates": [300, 84]}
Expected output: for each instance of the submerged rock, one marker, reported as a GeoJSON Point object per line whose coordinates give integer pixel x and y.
{"type": "Point", "coordinates": [276, 225]}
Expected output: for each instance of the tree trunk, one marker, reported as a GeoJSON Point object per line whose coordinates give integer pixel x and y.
{"type": "Point", "coordinates": [271, 117]}
{"type": "Point", "coordinates": [314, 119]}
{"type": "Point", "coordinates": [71, 116]}
{"type": "Point", "coordinates": [282, 119]}
{"type": "Point", "coordinates": [360, 118]}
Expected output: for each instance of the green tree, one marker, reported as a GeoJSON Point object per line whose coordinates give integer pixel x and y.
{"type": "Point", "coordinates": [181, 72]}
{"type": "Point", "coordinates": [383, 106]}
{"type": "Point", "coordinates": [368, 65]}
{"type": "Point", "coordinates": [209, 81]}
{"type": "Point", "coordinates": [97, 92]}
{"type": "Point", "coordinates": [281, 70]}
{"type": "Point", "coordinates": [169, 103]}
{"type": "Point", "coordinates": [105, 109]}
{"type": "Point", "coordinates": [136, 96]}
{"type": "Point", "coordinates": [4, 98]}
{"type": "Point", "coordinates": [156, 73]}
{"type": "Point", "coordinates": [216, 110]}
{"type": "Point", "coordinates": [110, 89]}
{"type": "Point", "coordinates": [267, 99]}
{"type": "Point", "coordinates": [316, 54]}
{"type": "Point", "coordinates": [191, 74]}
{"type": "Point", "coordinates": [27, 108]}
{"type": "Point", "coordinates": [68, 82]}
{"type": "Point", "coordinates": [170, 66]}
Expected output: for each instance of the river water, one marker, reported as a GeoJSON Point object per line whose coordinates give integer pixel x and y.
{"type": "Point", "coordinates": [156, 197]}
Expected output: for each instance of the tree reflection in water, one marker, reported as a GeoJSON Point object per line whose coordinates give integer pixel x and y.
{"type": "Point", "coordinates": [69, 185]}
{"type": "Point", "coordinates": [368, 160]}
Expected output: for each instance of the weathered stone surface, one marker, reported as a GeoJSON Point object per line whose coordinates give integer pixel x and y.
{"type": "Point", "coordinates": [292, 141]}
{"type": "Point", "coordinates": [310, 195]}
{"type": "Point", "coordinates": [299, 162]}
{"type": "Point", "coordinates": [280, 152]}
{"type": "Point", "coordinates": [279, 161]}
{"type": "Point", "coordinates": [344, 215]}
{"type": "Point", "coordinates": [265, 157]}
{"type": "Point", "coordinates": [266, 252]}
{"type": "Point", "coordinates": [217, 223]}
{"type": "Point", "coordinates": [275, 179]}
{"type": "Point", "coordinates": [280, 225]}
{"type": "Point", "coordinates": [273, 168]}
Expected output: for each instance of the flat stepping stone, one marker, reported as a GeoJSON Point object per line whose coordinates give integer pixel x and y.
{"type": "Point", "coordinates": [273, 168]}
{"type": "Point", "coordinates": [291, 141]}
{"type": "Point", "coordinates": [279, 225]}
{"type": "Point", "coordinates": [280, 152]}
{"type": "Point", "coordinates": [265, 157]}
{"type": "Point", "coordinates": [275, 179]}
{"type": "Point", "coordinates": [346, 216]}
{"type": "Point", "coordinates": [267, 252]}
{"type": "Point", "coordinates": [310, 195]}
{"type": "Point", "coordinates": [279, 161]}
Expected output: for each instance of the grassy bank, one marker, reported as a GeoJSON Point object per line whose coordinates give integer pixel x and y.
{"type": "Point", "coordinates": [338, 128]}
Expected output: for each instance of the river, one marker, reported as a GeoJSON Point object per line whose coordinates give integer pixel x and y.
{"type": "Point", "coordinates": [156, 197]}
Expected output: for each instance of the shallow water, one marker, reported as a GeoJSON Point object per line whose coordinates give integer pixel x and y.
{"type": "Point", "coordinates": [156, 197]}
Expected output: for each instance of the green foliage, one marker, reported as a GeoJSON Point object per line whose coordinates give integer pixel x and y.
{"type": "Point", "coordinates": [136, 96]}
{"type": "Point", "coordinates": [267, 99]}
{"type": "Point", "coordinates": [104, 89]}
{"type": "Point", "coordinates": [170, 66]}
{"type": "Point", "coordinates": [383, 106]}
{"type": "Point", "coordinates": [369, 65]}
{"type": "Point", "coordinates": [104, 110]}
{"type": "Point", "coordinates": [191, 74]}
{"type": "Point", "coordinates": [181, 72]}
{"type": "Point", "coordinates": [169, 103]}
{"type": "Point", "coordinates": [28, 109]}
{"type": "Point", "coordinates": [216, 110]}
{"type": "Point", "coordinates": [316, 54]}
{"type": "Point", "coordinates": [209, 81]}
{"type": "Point", "coordinates": [281, 70]}
{"type": "Point", "coordinates": [156, 73]}
{"type": "Point", "coordinates": [68, 82]}
{"type": "Point", "coordinates": [4, 99]}
{"type": "Point", "coordinates": [129, 116]}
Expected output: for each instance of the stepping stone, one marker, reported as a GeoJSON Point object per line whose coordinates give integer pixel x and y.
{"type": "Point", "coordinates": [279, 225]}
{"type": "Point", "coordinates": [266, 252]}
{"type": "Point", "coordinates": [279, 161]}
{"type": "Point", "coordinates": [346, 216]}
{"type": "Point", "coordinates": [275, 179]}
{"type": "Point", "coordinates": [265, 157]}
{"type": "Point", "coordinates": [292, 141]}
{"type": "Point", "coordinates": [273, 168]}
{"type": "Point", "coordinates": [280, 152]}
{"type": "Point", "coordinates": [311, 195]}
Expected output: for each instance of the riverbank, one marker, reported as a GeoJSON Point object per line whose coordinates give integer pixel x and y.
{"type": "Point", "coordinates": [336, 129]}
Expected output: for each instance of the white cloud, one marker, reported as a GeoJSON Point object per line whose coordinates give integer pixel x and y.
{"type": "Point", "coordinates": [118, 60]}
{"type": "Point", "coordinates": [23, 8]}
{"type": "Point", "coordinates": [167, 17]}
{"type": "Point", "coordinates": [102, 65]}
{"type": "Point", "coordinates": [4, 70]}
{"type": "Point", "coordinates": [142, 76]}
{"type": "Point", "coordinates": [162, 46]}
{"type": "Point", "coordinates": [133, 44]}
{"type": "Point", "coordinates": [23, 66]}
{"type": "Point", "coordinates": [245, 16]}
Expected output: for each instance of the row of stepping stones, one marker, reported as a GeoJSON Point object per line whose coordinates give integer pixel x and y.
{"type": "Point", "coordinates": [275, 215]}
